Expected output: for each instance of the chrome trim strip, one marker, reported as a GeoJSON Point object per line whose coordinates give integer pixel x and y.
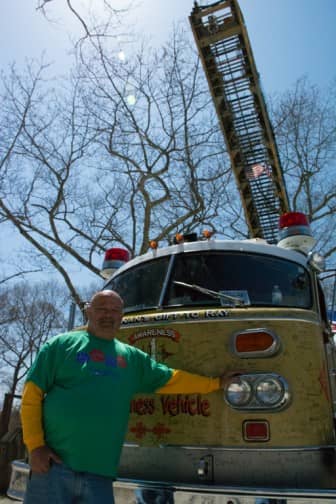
{"type": "Point", "coordinates": [227, 490]}
{"type": "Point", "coordinates": [171, 318]}
{"type": "Point", "coordinates": [251, 449]}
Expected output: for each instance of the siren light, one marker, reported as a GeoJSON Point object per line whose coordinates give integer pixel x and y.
{"type": "Point", "coordinates": [114, 258]}
{"type": "Point", "coordinates": [295, 233]}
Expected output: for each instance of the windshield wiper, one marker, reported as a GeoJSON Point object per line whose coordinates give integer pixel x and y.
{"type": "Point", "coordinates": [214, 294]}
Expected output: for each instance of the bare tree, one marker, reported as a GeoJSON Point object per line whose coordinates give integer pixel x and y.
{"type": "Point", "coordinates": [161, 150]}
{"type": "Point", "coordinates": [30, 314]}
{"type": "Point", "coordinates": [41, 146]}
{"type": "Point", "coordinates": [92, 27]}
{"type": "Point", "coordinates": [124, 153]}
{"type": "Point", "coordinates": [305, 127]}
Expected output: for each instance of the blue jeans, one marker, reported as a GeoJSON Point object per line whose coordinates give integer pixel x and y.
{"type": "Point", "coordinates": [61, 485]}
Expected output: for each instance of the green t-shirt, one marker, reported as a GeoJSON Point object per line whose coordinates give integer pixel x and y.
{"type": "Point", "coordinates": [89, 383]}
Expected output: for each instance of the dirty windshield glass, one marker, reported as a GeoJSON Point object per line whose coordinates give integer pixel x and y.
{"type": "Point", "coordinates": [257, 280]}
{"type": "Point", "coordinates": [214, 279]}
{"type": "Point", "coordinates": [141, 286]}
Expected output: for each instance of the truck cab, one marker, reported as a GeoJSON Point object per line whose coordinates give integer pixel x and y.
{"type": "Point", "coordinates": [208, 306]}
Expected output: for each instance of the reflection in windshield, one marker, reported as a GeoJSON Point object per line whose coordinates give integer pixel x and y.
{"type": "Point", "coordinates": [258, 276]}
{"type": "Point", "coordinates": [224, 297]}
{"type": "Point", "coordinates": [254, 279]}
{"type": "Point", "coordinates": [141, 287]}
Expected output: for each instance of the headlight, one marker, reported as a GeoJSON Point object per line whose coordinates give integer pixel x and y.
{"type": "Point", "coordinates": [238, 392]}
{"type": "Point", "coordinates": [257, 391]}
{"type": "Point", "coordinates": [269, 391]}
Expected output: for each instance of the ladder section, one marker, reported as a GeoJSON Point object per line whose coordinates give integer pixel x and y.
{"type": "Point", "coordinates": [228, 62]}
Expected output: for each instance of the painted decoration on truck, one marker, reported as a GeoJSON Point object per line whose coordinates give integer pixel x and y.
{"type": "Point", "coordinates": [199, 342]}
{"type": "Point", "coordinates": [153, 341]}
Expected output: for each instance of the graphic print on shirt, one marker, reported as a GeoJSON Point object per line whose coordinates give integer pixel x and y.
{"type": "Point", "coordinates": [101, 364]}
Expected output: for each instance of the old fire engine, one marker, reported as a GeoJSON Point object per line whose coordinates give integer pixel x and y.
{"type": "Point", "coordinates": [206, 305]}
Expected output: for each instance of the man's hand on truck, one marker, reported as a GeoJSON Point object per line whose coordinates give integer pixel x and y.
{"type": "Point", "coordinates": [227, 377]}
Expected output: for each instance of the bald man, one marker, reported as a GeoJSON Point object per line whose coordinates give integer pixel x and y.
{"type": "Point", "coordinates": [76, 402]}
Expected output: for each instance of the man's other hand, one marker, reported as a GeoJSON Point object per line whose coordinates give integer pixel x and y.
{"type": "Point", "coordinates": [40, 459]}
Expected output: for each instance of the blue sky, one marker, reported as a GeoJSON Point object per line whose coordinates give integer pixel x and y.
{"type": "Point", "coordinates": [289, 38]}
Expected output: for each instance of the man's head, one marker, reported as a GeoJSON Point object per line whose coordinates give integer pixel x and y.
{"type": "Point", "coordinates": [104, 313]}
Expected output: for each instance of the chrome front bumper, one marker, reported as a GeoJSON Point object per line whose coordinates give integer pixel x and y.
{"type": "Point", "coordinates": [215, 477]}
{"type": "Point", "coordinates": [130, 492]}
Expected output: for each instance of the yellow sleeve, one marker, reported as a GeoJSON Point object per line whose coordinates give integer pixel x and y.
{"type": "Point", "coordinates": [31, 416]}
{"type": "Point", "coordinates": [182, 382]}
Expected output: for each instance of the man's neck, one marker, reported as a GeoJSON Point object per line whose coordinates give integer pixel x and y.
{"type": "Point", "coordinates": [103, 335]}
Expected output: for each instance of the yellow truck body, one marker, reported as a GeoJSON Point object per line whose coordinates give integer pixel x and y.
{"type": "Point", "coordinates": [194, 439]}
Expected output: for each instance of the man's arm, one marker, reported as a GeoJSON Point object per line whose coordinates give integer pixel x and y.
{"type": "Point", "coordinates": [182, 382]}
{"type": "Point", "coordinates": [32, 427]}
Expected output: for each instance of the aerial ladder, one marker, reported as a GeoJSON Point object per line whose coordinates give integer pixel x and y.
{"type": "Point", "coordinates": [227, 58]}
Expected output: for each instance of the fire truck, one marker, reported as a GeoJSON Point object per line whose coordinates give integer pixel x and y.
{"type": "Point", "coordinates": [208, 306]}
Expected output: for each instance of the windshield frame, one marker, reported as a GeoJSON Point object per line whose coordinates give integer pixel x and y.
{"type": "Point", "coordinates": [167, 279]}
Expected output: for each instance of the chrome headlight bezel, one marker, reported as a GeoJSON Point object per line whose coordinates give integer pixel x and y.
{"type": "Point", "coordinates": [256, 401]}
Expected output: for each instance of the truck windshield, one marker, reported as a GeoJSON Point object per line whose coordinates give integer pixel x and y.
{"type": "Point", "coordinates": [141, 286]}
{"type": "Point", "coordinates": [240, 279]}
{"type": "Point", "coordinates": [258, 280]}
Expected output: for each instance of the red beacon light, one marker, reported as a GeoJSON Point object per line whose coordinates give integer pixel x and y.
{"type": "Point", "coordinates": [114, 259]}
{"type": "Point", "coordinates": [295, 233]}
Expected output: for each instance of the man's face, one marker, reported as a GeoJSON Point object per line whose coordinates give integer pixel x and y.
{"type": "Point", "coordinates": [104, 315]}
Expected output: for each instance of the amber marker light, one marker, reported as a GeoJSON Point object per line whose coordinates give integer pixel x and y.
{"type": "Point", "coordinates": [207, 234]}
{"type": "Point", "coordinates": [179, 238]}
{"type": "Point", "coordinates": [255, 342]}
{"type": "Point", "coordinates": [153, 244]}
{"type": "Point", "coordinates": [256, 430]}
